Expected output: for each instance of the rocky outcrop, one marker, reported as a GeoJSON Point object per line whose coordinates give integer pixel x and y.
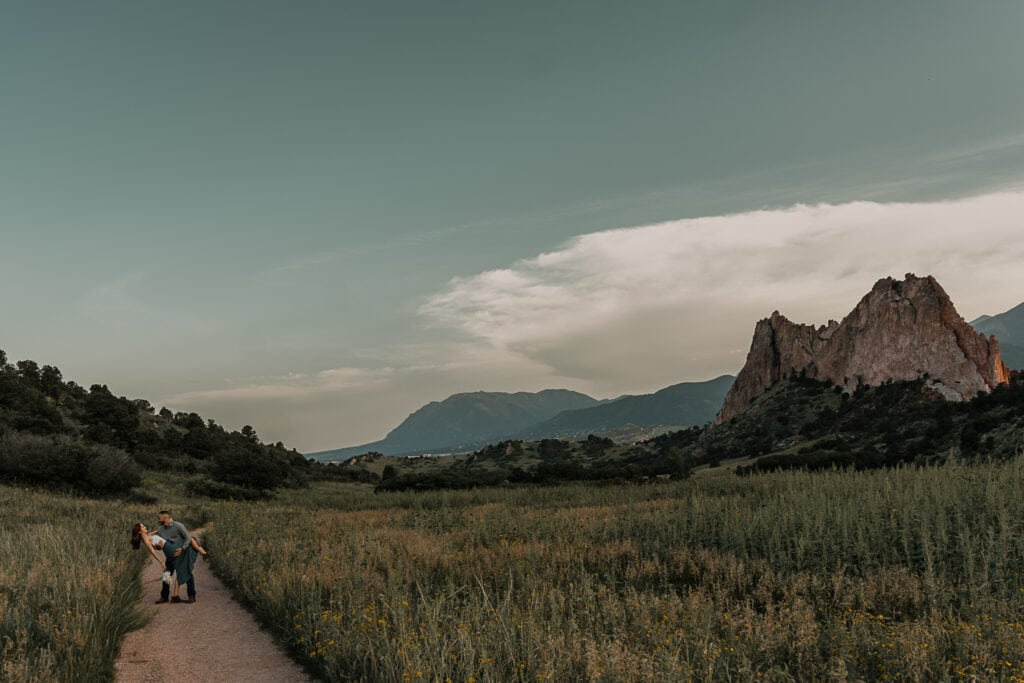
{"type": "Point", "coordinates": [901, 330]}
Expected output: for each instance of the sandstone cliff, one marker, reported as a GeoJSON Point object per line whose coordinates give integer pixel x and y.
{"type": "Point", "coordinates": [902, 330]}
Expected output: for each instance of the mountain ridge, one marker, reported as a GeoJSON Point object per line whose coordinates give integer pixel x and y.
{"type": "Point", "coordinates": [472, 417]}
{"type": "Point", "coordinates": [467, 420]}
{"type": "Point", "coordinates": [900, 330]}
{"type": "Point", "coordinates": [685, 404]}
{"type": "Point", "coordinates": [680, 405]}
{"type": "Point", "coordinates": [1008, 328]}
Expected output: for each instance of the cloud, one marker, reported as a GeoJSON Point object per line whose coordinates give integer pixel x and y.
{"type": "Point", "coordinates": [665, 302]}
{"type": "Point", "coordinates": [118, 304]}
{"type": "Point", "coordinates": [294, 385]}
{"type": "Point", "coordinates": [980, 151]}
{"type": "Point", "coordinates": [409, 241]}
{"type": "Point", "coordinates": [636, 309]}
{"type": "Point", "coordinates": [353, 405]}
{"type": "Point", "coordinates": [451, 359]}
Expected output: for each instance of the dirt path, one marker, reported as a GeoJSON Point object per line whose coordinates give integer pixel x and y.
{"type": "Point", "coordinates": [212, 640]}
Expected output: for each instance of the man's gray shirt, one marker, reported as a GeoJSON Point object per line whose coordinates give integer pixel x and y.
{"type": "Point", "coordinates": [176, 533]}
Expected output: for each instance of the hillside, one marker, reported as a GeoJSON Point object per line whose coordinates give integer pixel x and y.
{"type": "Point", "coordinates": [681, 405]}
{"type": "Point", "coordinates": [1008, 328]}
{"type": "Point", "coordinates": [57, 434]}
{"type": "Point", "coordinates": [799, 423]}
{"type": "Point", "coordinates": [465, 421]}
{"type": "Point", "coordinates": [805, 424]}
{"type": "Point", "coordinates": [547, 461]}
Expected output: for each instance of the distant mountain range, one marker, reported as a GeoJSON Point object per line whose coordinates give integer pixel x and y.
{"type": "Point", "coordinates": [866, 392]}
{"type": "Point", "coordinates": [680, 405]}
{"type": "Point", "coordinates": [464, 422]}
{"type": "Point", "coordinates": [1008, 328]}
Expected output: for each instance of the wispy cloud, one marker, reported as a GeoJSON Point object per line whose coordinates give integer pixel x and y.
{"type": "Point", "coordinates": [295, 385]}
{"type": "Point", "coordinates": [409, 240]}
{"type": "Point", "coordinates": [407, 363]}
{"type": "Point", "coordinates": [117, 304]}
{"type": "Point", "coordinates": [631, 301]}
{"type": "Point", "coordinates": [981, 150]}
{"type": "Point", "coordinates": [352, 405]}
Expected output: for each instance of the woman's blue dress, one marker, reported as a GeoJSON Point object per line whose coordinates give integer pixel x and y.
{"type": "Point", "coordinates": [183, 564]}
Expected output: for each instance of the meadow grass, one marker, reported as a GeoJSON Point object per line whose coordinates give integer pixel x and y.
{"type": "Point", "coordinates": [68, 586]}
{"type": "Point", "coordinates": [910, 574]}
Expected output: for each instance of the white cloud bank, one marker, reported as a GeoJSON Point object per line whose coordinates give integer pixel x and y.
{"type": "Point", "coordinates": [637, 309]}
{"type": "Point", "coordinates": [642, 307]}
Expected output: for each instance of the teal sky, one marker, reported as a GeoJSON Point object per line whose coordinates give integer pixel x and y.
{"type": "Point", "coordinates": [285, 213]}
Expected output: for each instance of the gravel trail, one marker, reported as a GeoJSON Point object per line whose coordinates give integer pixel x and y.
{"type": "Point", "coordinates": [213, 640]}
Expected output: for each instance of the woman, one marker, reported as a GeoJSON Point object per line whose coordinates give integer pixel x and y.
{"type": "Point", "coordinates": [183, 563]}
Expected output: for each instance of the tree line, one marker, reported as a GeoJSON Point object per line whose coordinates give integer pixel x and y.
{"type": "Point", "coordinates": [58, 434]}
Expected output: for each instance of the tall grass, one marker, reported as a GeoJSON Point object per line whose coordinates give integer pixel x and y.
{"type": "Point", "coordinates": [68, 586]}
{"type": "Point", "coordinates": [911, 574]}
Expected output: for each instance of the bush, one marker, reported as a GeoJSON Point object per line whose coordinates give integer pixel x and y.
{"type": "Point", "coordinates": [62, 462]}
{"type": "Point", "coordinates": [38, 460]}
{"type": "Point", "coordinates": [111, 472]}
{"type": "Point", "coordinates": [140, 497]}
{"type": "Point", "coordinates": [249, 466]}
{"type": "Point", "coordinates": [219, 490]}
{"type": "Point", "coordinates": [336, 472]}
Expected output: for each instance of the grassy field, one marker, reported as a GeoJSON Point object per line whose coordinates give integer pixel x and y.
{"type": "Point", "coordinates": [911, 574]}
{"type": "Point", "coordinates": [68, 586]}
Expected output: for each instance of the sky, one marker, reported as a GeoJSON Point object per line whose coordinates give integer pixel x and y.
{"type": "Point", "coordinates": [316, 217]}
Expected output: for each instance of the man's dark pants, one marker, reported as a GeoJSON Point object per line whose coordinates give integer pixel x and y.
{"type": "Point", "coordinates": [165, 588]}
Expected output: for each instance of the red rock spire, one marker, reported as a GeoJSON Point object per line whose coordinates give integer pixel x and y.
{"type": "Point", "coordinates": [900, 330]}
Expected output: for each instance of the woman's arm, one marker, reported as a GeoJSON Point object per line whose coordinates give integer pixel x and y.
{"type": "Point", "coordinates": [199, 548]}
{"type": "Point", "coordinates": [152, 551]}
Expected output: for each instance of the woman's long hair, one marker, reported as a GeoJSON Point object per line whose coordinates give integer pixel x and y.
{"type": "Point", "coordinates": [136, 536]}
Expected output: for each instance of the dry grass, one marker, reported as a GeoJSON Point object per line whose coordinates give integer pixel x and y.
{"type": "Point", "coordinates": [894, 575]}
{"type": "Point", "coordinates": [68, 586]}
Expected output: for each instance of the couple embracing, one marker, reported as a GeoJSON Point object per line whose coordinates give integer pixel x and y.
{"type": "Point", "coordinates": [180, 551]}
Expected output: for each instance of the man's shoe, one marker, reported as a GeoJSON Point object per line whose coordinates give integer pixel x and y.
{"type": "Point", "coordinates": [191, 599]}
{"type": "Point", "coordinates": [176, 599]}
{"type": "Point", "coordinates": [160, 601]}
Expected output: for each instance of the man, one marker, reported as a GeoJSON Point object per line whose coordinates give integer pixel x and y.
{"type": "Point", "coordinates": [176, 533]}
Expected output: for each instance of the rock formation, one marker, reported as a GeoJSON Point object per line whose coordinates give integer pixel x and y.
{"type": "Point", "coordinates": [901, 330]}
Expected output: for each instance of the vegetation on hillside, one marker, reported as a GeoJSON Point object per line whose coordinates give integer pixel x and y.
{"type": "Point", "coordinates": [799, 423]}
{"type": "Point", "coordinates": [57, 434]}
{"type": "Point", "coordinates": [547, 461]}
{"type": "Point", "coordinates": [802, 423]}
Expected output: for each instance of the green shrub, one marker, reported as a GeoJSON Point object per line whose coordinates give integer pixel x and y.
{"type": "Point", "coordinates": [111, 472]}
{"type": "Point", "coordinates": [61, 462]}
{"type": "Point", "coordinates": [249, 467]}
{"type": "Point", "coordinates": [219, 490]}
